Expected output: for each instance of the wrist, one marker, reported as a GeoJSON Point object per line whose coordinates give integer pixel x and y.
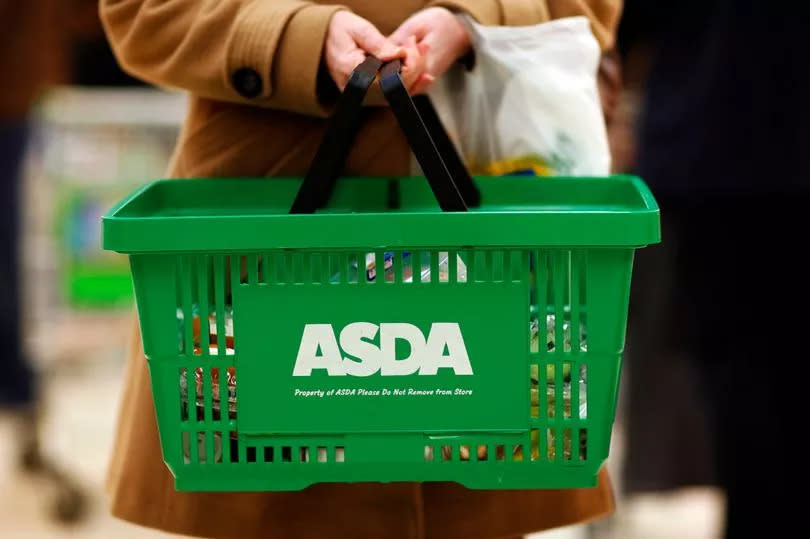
{"type": "Point", "coordinates": [466, 56]}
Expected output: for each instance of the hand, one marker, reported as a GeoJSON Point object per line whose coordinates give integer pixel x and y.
{"type": "Point", "coordinates": [441, 36]}
{"type": "Point", "coordinates": [349, 40]}
{"type": "Point", "coordinates": [414, 75]}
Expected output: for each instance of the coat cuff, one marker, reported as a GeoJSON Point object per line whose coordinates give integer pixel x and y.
{"type": "Point", "coordinates": [486, 12]}
{"type": "Point", "coordinates": [274, 52]}
{"type": "Point", "coordinates": [298, 68]}
{"type": "Point", "coordinates": [496, 13]}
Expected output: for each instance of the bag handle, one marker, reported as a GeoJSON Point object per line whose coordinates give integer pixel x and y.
{"type": "Point", "coordinates": [416, 117]}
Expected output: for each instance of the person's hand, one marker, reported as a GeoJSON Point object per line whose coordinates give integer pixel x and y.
{"type": "Point", "coordinates": [443, 39]}
{"type": "Point", "coordinates": [349, 40]}
{"type": "Point", "coordinates": [414, 65]}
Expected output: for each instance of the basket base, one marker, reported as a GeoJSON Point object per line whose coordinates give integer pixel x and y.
{"type": "Point", "coordinates": [290, 477]}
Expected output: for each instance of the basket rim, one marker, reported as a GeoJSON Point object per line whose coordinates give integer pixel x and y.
{"type": "Point", "coordinates": [132, 226]}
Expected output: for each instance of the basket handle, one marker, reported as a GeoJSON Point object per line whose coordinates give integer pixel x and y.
{"type": "Point", "coordinates": [451, 183]}
{"type": "Point", "coordinates": [340, 134]}
{"type": "Point", "coordinates": [449, 179]}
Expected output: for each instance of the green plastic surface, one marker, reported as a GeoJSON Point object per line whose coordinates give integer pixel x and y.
{"type": "Point", "coordinates": [344, 379]}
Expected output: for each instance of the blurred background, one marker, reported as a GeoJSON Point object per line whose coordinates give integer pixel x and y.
{"type": "Point", "coordinates": [93, 134]}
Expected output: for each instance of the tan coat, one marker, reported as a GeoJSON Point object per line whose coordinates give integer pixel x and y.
{"type": "Point", "coordinates": [252, 68]}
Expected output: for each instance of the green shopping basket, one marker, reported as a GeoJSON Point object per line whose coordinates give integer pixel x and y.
{"type": "Point", "coordinates": [408, 329]}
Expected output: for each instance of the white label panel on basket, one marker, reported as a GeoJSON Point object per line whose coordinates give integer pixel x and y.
{"type": "Point", "coordinates": [351, 358]}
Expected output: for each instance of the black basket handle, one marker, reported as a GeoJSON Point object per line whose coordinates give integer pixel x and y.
{"type": "Point", "coordinates": [449, 180]}
{"type": "Point", "coordinates": [337, 140]}
{"type": "Point", "coordinates": [418, 119]}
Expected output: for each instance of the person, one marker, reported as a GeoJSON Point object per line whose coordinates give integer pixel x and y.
{"type": "Point", "coordinates": [723, 141]}
{"type": "Point", "coordinates": [31, 58]}
{"type": "Point", "coordinates": [263, 78]}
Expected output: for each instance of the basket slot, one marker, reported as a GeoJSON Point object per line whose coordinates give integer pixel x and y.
{"type": "Point", "coordinates": [396, 267]}
{"type": "Point", "coordinates": [207, 405]}
{"type": "Point", "coordinates": [576, 299]}
{"type": "Point", "coordinates": [517, 453]}
{"type": "Point", "coordinates": [216, 381]}
{"type": "Point", "coordinates": [232, 413]}
{"type": "Point", "coordinates": [566, 444]}
{"type": "Point", "coordinates": [583, 444]}
{"type": "Point", "coordinates": [472, 265]}
{"type": "Point", "coordinates": [573, 443]}
{"type": "Point", "coordinates": [219, 301]}
{"type": "Point", "coordinates": [568, 396]}
{"type": "Point", "coordinates": [421, 261]}
{"type": "Point", "coordinates": [409, 269]}
{"type": "Point", "coordinates": [552, 443]}
{"type": "Point", "coordinates": [452, 266]}
{"type": "Point", "coordinates": [583, 389]}
{"type": "Point", "coordinates": [250, 453]}
{"type": "Point", "coordinates": [538, 299]}
{"type": "Point", "coordinates": [534, 391]}
{"type": "Point", "coordinates": [559, 391]}
{"type": "Point", "coordinates": [434, 267]}
{"type": "Point", "coordinates": [339, 268]}
{"type": "Point", "coordinates": [575, 404]}
{"type": "Point", "coordinates": [184, 285]}
{"type": "Point", "coordinates": [320, 268]}
{"type": "Point", "coordinates": [194, 448]}
{"type": "Point", "coordinates": [500, 452]}
{"type": "Point", "coordinates": [550, 402]}
{"type": "Point", "coordinates": [268, 453]}
{"type": "Point", "coordinates": [217, 447]}
{"type": "Point", "coordinates": [380, 273]}
{"type": "Point", "coordinates": [534, 437]}
{"type": "Point", "coordinates": [542, 443]}
{"type": "Point", "coordinates": [183, 387]}
{"type": "Point", "coordinates": [557, 300]}
{"type": "Point", "coordinates": [242, 270]}
{"type": "Point", "coordinates": [232, 448]}
{"type": "Point", "coordinates": [583, 281]}
{"type": "Point", "coordinates": [428, 453]}
{"type": "Point", "coordinates": [261, 269]}
{"type": "Point", "coordinates": [181, 315]}
{"type": "Point", "coordinates": [447, 452]}
{"type": "Point", "coordinates": [185, 446]}
{"type": "Point", "coordinates": [444, 262]}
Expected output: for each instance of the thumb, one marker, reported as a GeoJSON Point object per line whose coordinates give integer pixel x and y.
{"type": "Point", "coordinates": [374, 43]}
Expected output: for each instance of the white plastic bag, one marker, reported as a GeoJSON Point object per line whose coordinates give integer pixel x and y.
{"type": "Point", "coordinates": [531, 104]}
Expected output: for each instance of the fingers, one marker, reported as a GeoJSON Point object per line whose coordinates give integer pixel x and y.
{"type": "Point", "coordinates": [414, 64]}
{"type": "Point", "coordinates": [407, 29]}
{"type": "Point", "coordinates": [422, 84]}
{"type": "Point", "coordinates": [345, 65]}
{"type": "Point", "coordinates": [374, 43]}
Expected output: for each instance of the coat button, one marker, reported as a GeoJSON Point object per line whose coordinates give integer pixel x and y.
{"type": "Point", "coordinates": [247, 82]}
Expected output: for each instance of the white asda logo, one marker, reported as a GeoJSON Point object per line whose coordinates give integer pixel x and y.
{"type": "Point", "coordinates": [427, 355]}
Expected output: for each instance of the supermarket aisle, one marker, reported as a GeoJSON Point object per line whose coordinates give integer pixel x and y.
{"type": "Point", "coordinates": [82, 400]}
{"type": "Point", "coordinates": [79, 429]}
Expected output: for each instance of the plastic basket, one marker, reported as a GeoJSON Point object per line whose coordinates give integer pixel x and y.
{"type": "Point", "coordinates": [481, 346]}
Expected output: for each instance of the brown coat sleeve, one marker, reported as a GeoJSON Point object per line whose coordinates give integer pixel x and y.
{"type": "Point", "coordinates": [604, 14]}
{"type": "Point", "coordinates": [247, 51]}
